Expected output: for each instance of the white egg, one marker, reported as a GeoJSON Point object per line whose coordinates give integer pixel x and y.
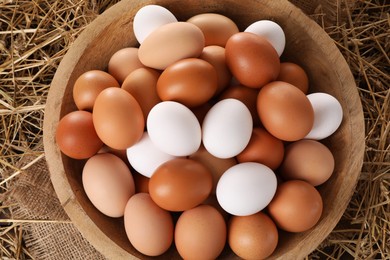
{"type": "Point", "coordinates": [227, 128]}
{"type": "Point", "coordinates": [328, 115]}
{"type": "Point", "coordinates": [149, 18]}
{"type": "Point", "coordinates": [174, 128]}
{"type": "Point", "coordinates": [271, 31]}
{"type": "Point", "coordinates": [246, 188]}
{"type": "Point", "coordinates": [145, 157]}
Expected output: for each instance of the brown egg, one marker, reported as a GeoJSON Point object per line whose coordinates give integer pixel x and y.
{"type": "Point", "coordinates": [212, 201]}
{"type": "Point", "coordinates": [217, 166]}
{"type": "Point", "coordinates": [120, 153]}
{"type": "Point", "coordinates": [216, 28]}
{"type": "Point", "coordinates": [252, 237]}
{"type": "Point", "coordinates": [200, 233]}
{"type": "Point", "coordinates": [295, 75]}
{"type": "Point", "coordinates": [246, 95]}
{"type": "Point", "coordinates": [191, 82]}
{"type": "Point", "coordinates": [201, 111]}
{"type": "Point", "coordinates": [285, 111]}
{"type": "Point", "coordinates": [123, 62]}
{"type": "Point", "coordinates": [89, 85]}
{"type": "Point", "coordinates": [76, 135]}
{"type": "Point", "coordinates": [296, 206]}
{"type": "Point", "coordinates": [118, 118]}
{"type": "Point", "coordinates": [141, 183]}
{"type": "Point", "coordinates": [170, 43]}
{"type": "Point", "coordinates": [108, 183]}
{"type": "Point", "coordinates": [252, 59]}
{"type": "Point", "coordinates": [148, 227]}
{"type": "Point", "coordinates": [215, 55]}
{"type": "Point", "coordinates": [307, 160]}
{"type": "Point", "coordinates": [180, 184]}
{"type": "Point", "coordinates": [141, 84]}
{"type": "Point", "coordinates": [263, 148]}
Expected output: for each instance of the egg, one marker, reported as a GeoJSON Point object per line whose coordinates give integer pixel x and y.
{"type": "Point", "coordinates": [123, 62]}
{"type": "Point", "coordinates": [174, 128]}
{"type": "Point", "coordinates": [252, 59]}
{"type": "Point", "coordinates": [141, 84]}
{"type": "Point", "coordinates": [246, 188]}
{"type": "Point", "coordinates": [108, 183]}
{"type": "Point", "coordinates": [227, 128]}
{"type": "Point", "coordinates": [200, 233]}
{"type": "Point", "coordinates": [148, 227]}
{"type": "Point", "coordinates": [150, 17]}
{"type": "Point", "coordinates": [118, 118]}
{"type": "Point", "coordinates": [201, 111]}
{"type": "Point", "coordinates": [296, 207]}
{"type": "Point", "coordinates": [76, 135]}
{"type": "Point", "coordinates": [141, 183]}
{"type": "Point", "coordinates": [328, 115]}
{"type": "Point", "coordinates": [263, 148]}
{"type": "Point", "coordinates": [180, 184]}
{"type": "Point", "coordinates": [295, 75]}
{"type": "Point", "coordinates": [217, 28]}
{"type": "Point", "coordinates": [191, 82]}
{"type": "Point", "coordinates": [285, 111]}
{"type": "Point", "coordinates": [252, 237]}
{"type": "Point", "coordinates": [271, 31]}
{"type": "Point", "coordinates": [307, 160]}
{"type": "Point", "coordinates": [145, 157]}
{"type": "Point", "coordinates": [89, 85]}
{"type": "Point", "coordinates": [170, 43]}
{"type": "Point", "coordinates": [120, 153]}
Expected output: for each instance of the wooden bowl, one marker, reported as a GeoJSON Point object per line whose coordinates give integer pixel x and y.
{"type": "Point", "coordinates": [307, 44]}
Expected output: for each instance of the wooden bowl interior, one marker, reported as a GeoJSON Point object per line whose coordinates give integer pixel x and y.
{"type": "Point", "coordinates": [307, 45]}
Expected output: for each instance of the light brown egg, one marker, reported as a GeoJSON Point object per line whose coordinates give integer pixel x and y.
{"type": "Point", "coordinates": [217, 28]}
{"type": "Point", "coordinates": [295, 75]}
{"type": "Point", "coordinates": [200, 233]}
{"type": "Point", "coordinates": [252, 237]}
{"type": "Point", "coordinates": [296, 207]}
{"type": "Point", "coordinates": [285, 111]}
{"type": "Point", "coordinates": [148, 227]}
{"type": "Point", "coordinates": [118, 118]}
{"type": "Point", "coordinates": [76, 135]}
{"type": "Point", "coordinates": [180, 184]}
{"type": "Point", "coordinates": [89, 85]}
{"type": "Point", "coordinates": [307, 160]}
{"type": "Point", "coordinates": [141, 84]}
{"type": "Point", "coordinates": [108, 183]}
{"type": "Point", "coordinates": [123, 62]}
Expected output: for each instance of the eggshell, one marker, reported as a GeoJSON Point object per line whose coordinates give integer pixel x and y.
{"type": "Point", "coordinates": [307, 160]}
{"type": "Point", "coordinates": [246, 188]}
{"type": "Point", "coordinates": [148, 18]}
{"type": "Point", "coordinates": [141, 84]}
{"type": "Point", "coordinates": [89, 85]}
{"type": "Point", "coordinates": [252, 59]}
{"type": "Point", "coordinates": [252, 237]}
{"type": "Point", "coordinates": [271, 31]}
{"type": "Point", "coordinates": [227, 128]}
{"type": "Point", "coordinates": [148, 227]}
{"type": "Point", "coordinates": [217, 28]}
{"type": "Point", "coordinates": [174, 129]}
{"type": "Point", "coordinates": [123, 62]}
{"type": "Point", "coordinates": [145, 157]}
{"type": "Point", "coordinates": [180, 184]}
{"type": "Point", "coordinates": [108, 183]}
{"type": "Point", "coordinates": [191, 82]}
{"type": "Point", "coordinates": [76, 135]}
{"type": "Point", "coordinates": [118, 118]}
{"type": "Point", "coordinates": [263, 148]}
{"type": "Point", "coordinates": [200, 233]}
{"type": "Point", "coordinates": [295, 75]}
{"type": "Point", "coordinates": [296, 206]}
{"type": "Point", "coordinates": [328, 115]}
{"type": "Point", "coordinates": [170, 43]}
{"type": "Point", "coordinates": [285, 111]}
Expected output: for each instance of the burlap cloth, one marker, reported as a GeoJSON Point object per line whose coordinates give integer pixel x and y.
{"type": "Point", "coordinates": [34, 197]}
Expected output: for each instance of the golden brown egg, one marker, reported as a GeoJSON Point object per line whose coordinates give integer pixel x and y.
{"type": "Point", "coordinates": [295, 75]}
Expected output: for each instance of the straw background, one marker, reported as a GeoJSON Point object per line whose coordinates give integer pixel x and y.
{"type": "Point", "coordinates": [35, 35]}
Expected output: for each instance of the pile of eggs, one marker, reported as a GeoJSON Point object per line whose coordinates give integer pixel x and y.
{"type": "Point", "coordinates": [202, 137]}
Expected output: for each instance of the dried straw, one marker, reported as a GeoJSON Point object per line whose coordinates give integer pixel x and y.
{"type": "Point", "coordinates": [35, 34]}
